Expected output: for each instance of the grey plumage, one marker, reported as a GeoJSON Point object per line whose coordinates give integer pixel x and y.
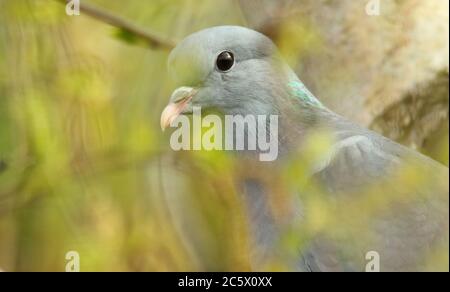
{"type": "Point", "coordinates": [261, 83]}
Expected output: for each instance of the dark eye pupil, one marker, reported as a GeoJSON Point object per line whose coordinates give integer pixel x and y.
{"type": "Point", "coordinates": [225, 61]}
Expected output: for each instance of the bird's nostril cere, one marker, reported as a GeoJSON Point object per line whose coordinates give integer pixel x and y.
{"type": "Point", "coordinates": [178, 102]}
{"type": "Point", "coordinates": [182, 93]}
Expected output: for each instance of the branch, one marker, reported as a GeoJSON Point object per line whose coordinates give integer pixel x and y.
{"type": "Point", "coordinates": [3, 166]}
{"type": "Point", "coordinates": [150, 38]}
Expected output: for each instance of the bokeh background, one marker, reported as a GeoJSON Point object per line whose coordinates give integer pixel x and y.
{"type": "Point", "coordinates": [85, 167]}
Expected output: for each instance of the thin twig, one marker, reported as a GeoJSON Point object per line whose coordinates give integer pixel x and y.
{"type": "Point", "coordinates": [150, 38]}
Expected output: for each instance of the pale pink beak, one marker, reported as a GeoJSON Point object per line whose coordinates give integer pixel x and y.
{"type": "Point", "coordinates": [178, 102]}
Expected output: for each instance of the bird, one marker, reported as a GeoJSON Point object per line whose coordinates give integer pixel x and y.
{"type": "Point", "coordinates": [235, 70]}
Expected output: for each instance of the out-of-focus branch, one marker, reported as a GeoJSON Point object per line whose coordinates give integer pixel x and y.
{"type": "Point", "coordinates": [153, 40]}
{"type": "Point", "coordinates": [3, 166]}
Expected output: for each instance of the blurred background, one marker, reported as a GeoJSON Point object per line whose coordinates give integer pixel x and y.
{"type": "Point", "coordinates": [84, 166]}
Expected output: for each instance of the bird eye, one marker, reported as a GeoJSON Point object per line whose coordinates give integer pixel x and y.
{"type": "Point", "coordinates": [225, 61]}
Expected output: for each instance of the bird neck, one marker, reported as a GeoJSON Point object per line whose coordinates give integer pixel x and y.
{"type": "Point", "coordinates": [299, 90]}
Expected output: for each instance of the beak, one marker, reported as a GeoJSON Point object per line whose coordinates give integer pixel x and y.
{"type": "Point", "coordinates": [179, 100]}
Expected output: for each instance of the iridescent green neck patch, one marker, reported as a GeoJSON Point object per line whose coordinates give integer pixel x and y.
{"type": "Point", "coordinates": [300, 91]}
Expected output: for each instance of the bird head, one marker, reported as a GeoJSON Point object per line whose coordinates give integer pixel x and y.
{"type": "Point", "coordinates": [230, 69]}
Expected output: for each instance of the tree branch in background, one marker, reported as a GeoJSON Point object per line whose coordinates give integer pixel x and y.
{"type": "Point", "coordinates": [128, 31]}
{"type": "Point", "coordinates": [3, 166]}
